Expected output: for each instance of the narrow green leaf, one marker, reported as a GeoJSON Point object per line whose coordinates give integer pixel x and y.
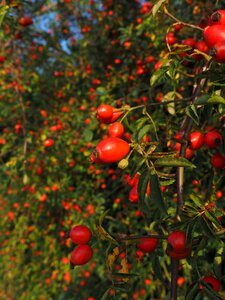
{"type": "Point", "coordinates": [216, 100]}
{"type": "Point", "coordinates": [156, 194]}
{"type": "Point", "coordinates": [157, 268]}
{"type": "Point", "coordinates": [142, 186]}
{"type": "Point", "coordinates": [212, 218]}
{"type": "Point", "coordinates": [102, 217]}
{"type": "Point", "coordinates": [192, 113]}
{"type": "Point", "coordinates": [140, 123]}
{"type": "Point", "coordinates": [206, 228]}
{"type": "Point", "coordinates": [197, 201]}
{"type": "Point", "coordinates": [202, 99]}
{"type": "Point", "coordinates": [105, 295]}
{"type": "Point", "coordinates": [192, 291]}
{"type": "Point", "coordinates": [157, 6]}
{"type": "Point", "coordinates": [189, 231]}
{"type": "Point", "coordinates": [156, 76]}
{"type": "Point", "coordinates": [137, 166]}
{"type": "Point", "coordinates": [167, 182]}
{"type": "Point", "coordinates": [173, 162]}
{"type": "Point", "coordinates": [144, 130]}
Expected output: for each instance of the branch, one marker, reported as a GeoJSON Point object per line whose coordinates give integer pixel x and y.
{"type": "Point", "coordinates": [179, 21]}
{"type": "Point", "coordinates": [174, 275]}
{"type": "Point", "coordinates": [187, 125]}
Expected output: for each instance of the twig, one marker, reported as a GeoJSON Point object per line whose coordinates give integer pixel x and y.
{"type": "Point", "coordinates": [174, 275]}
{"type": "Point", "coordinates": [137, 237]}
{"type": "Point", "coordinates": [179, 21]}
{"type": "Point", "coordinates": [187, 125]}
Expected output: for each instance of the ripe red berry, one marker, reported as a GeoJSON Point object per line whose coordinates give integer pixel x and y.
{"type": "Point", "coordinates": [213, 139]}
{"type": "Point", "coordinates": [215, 284]}
{"type": "Point", "coordinates": [218, 17]}
{"type": "Point", "coordinates": [176, 255]}
{"type": "Point", "coordinates": [49, 143]}
{"type": "Point", "coordinates": [25, 21]}
{"type": "Point", "coordinates": [218, 52]}
{"type": "Point", "coordinates": [80, 234]}
{"type": "Point", "coordinates": [189, 42]}
{"type": "Point", "coordinates": [105, 111]}
{"type": "Point", "coordinates": [217, 161]}
{"type": "Point", "coordinates": [196, 140]}
{"type": "Point", "coordinates": [110, 150]}
{"type": "Point", "coordinates": [170, 38]}
{"type": "Point", "coordinates": [177, 241]}
{"type": "Point", "coordinates": [81, 255]}
{"type": "Point", "coordinates": [147, 245]}
{"type": "Point", "coordinates": [219, 194]}
{"type": "Point", "coordinates": [116, 130]}
{"type": "Point", "coordinates": [214, 34]}
{"type": "Point", "coordinates": [133, 194]}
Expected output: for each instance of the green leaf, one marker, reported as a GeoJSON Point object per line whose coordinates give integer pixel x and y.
{"type": "Point", "coordinates": [190, 230]}
{"type": "Point", "coordinates": [105, 295]}
{"type": "Point", "coordinates": [3, 12]}
{"type": "Point", "coordinates": [196, 200]}
{"type": "Point", "coordinates": [88, 135]}
{"type": "Point", "coordinates": [101, 91]}
{"type": "Point", "coordinates": [212, 218]}
{"type": "Point", "coordinates": [157, 268]}
{"type": "Point", "coordinates": [157, 75]}
{"type": "Point", "coordinates": [173, 162]}
{"type": "Point", "coordinates": [167, 182]}
{"type": "Point", "coordinates": [216, 100]}
{"type": "Point", "coordinates": [142, 186]}
{"type": "Point", "coordinates": [192, 113]}
{"type": "Point", "coordinates": [157, 6]}
{"type": "Point", "coordinates": [202, 100]}
{"type": "Point", "coordinates": [145, 129]}
{"type": "Point", "coordinates": [137, 166]}
{"type": "Point", "coordinates": [140, 123]}
{"type": "Point", "coordinates": [192, 291]}
{"type": "Point", "coordinates": [206, 228]}
{"type": "Point", "coordinates": [156, 194]}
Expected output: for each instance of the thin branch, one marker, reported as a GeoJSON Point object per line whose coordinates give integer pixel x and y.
{"type": "Point", "coordinates": [138, 237]}
{"type": "Point", "coordinates": [179, 21]}
{"type": "Point", "coordinates": [187, 125]}
{"type": "Point", "coordinates": [174, 275]}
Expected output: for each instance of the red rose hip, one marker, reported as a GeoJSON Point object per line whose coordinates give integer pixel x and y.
{"type": "Point", "coordinates": [80, 234]}
{"type": "Point", "coordinates": [81, 255]}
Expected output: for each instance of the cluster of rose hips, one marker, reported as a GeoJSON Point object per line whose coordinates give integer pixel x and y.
{"type": "Point", "coordinates": [214, 36]}
{"type": "Point", "coordinates": [177, 248]}
{"type": "Point", "coordinates": [113, 148]}
{"type": "Point", "coordinates": [212, 139]}
{"type": "Point", "coordinates": [82, 253]}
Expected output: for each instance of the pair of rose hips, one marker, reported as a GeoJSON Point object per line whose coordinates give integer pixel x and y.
{"type": "Point", "coordinates": [214, 35]}
{"type": "Point", "coordinates": [177, 247]}
{"type": "Point", "coordinates": [82, 253]}
{"type": "Point", "coordinates": [113, 148]}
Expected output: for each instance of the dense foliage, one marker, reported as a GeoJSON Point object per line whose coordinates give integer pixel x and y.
{"type": "Point", "coordinates": [163, 75]}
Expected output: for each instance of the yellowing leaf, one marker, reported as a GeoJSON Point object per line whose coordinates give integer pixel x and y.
{"type": "Point", "coordinates": [112, 257]}
{"type": "Point", "coordinates": [104, 235]}
{"type": "Point", "coordinates": [124, 269]}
